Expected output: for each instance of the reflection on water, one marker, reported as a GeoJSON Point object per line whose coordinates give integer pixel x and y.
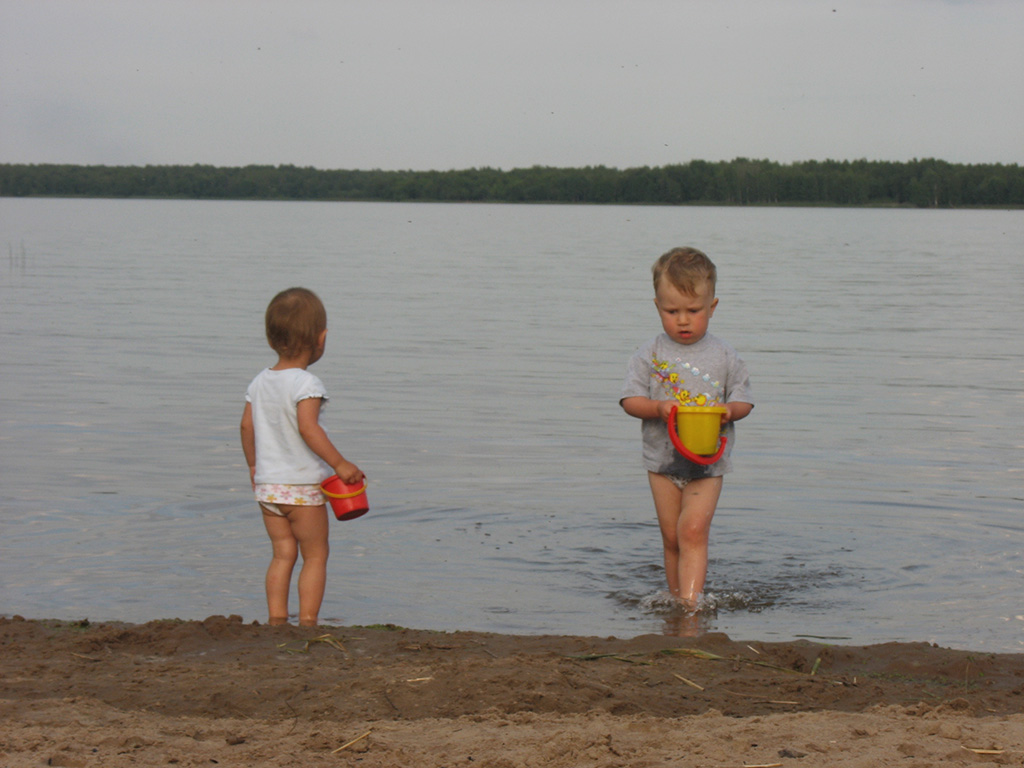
{"type": "Point", "coordinates": [474, 359]}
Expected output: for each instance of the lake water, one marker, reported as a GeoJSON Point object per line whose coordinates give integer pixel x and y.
{"type": "Point", "coordinates": [474, 360]}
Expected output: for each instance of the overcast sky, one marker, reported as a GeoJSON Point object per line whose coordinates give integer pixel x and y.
{"type": "Point", "coordinates": [440, 84]}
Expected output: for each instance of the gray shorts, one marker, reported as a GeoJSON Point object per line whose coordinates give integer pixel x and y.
{"type": "Point", "coordinates": [679, 482]}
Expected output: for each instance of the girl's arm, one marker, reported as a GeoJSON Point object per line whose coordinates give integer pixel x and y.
{"type": "Point", "coordinates": [249, 442]}
{"type": "Point", "coordinates": [320, 443]}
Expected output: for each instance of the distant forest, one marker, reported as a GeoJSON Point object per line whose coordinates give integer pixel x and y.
{"type": "Point", "coordinates": [925, 183]}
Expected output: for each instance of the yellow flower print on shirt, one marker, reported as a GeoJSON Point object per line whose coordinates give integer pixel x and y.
{"type": "Point", "coordinates": [672, 383]}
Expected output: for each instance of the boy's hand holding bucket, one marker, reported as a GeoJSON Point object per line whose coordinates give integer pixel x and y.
{"type": "Point", "coordinates": [695, 431]}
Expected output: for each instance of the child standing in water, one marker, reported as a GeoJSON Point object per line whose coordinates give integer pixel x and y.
{"type": "Point", "coordinates": [289, 454]}
{"type": "Point", "coordinates": [685, 365]}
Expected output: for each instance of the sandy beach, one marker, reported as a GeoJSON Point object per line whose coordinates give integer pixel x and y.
{"type": "Point", "coordinates": [223, 692]}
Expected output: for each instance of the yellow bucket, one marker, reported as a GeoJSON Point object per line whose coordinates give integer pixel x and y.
{"type": "Point", "coordinates": [698, 428]}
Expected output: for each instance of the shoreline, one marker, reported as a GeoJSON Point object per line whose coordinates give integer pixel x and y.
{"type": "Point", "coordinates": [192, 692]}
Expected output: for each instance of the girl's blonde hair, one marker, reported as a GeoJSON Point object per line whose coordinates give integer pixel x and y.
{"type": "Point", "coordinates": [685, 269]}
{"type": "Point", "coordinates": [295, 319]}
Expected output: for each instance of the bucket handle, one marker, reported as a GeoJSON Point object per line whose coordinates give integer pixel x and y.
{"type": "Point", "coordinates": [673, 433]}
{"type": "Point", "coordinates": [352, 495]}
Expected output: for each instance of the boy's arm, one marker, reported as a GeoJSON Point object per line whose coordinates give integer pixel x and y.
{"type": "Point", "coordinates": [249, 442]}
{"type": "Point", "coordinates": [736, 411]}
{"type": "Point", "coordinates": [320, 443]}
{"type": "Point", "coordinates": [646, 408]}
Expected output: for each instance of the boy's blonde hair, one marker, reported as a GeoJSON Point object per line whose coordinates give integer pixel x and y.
{"type": "Point", "coordinates": [685, 268]}
{"type": "Point", "coordinates": [295, 319]}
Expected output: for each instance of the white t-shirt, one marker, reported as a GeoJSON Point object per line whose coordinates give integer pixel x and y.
{"type": "Point", "coordinates": [282, 456]}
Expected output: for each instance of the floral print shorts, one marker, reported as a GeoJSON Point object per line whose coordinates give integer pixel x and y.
{"type": "Point", "coordinates": [269, 495]}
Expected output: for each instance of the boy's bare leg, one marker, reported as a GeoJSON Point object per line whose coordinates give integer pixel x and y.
{"type": "Point", "coordinates": [684, 517]}
{"type": "Point", "coordinates": [700, 499]}
{"type": "Point", "coordinates": [279, 572]}
{"type": "Point", "coordinates": [668, 501]}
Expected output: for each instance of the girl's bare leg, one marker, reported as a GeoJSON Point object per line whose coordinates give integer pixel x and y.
{"type": "Point", "coordinates": [279, 572]}
{"type": "Point", "coordinates": [310, 528]}
{"type": "Point", "coordinates": [684, 517]}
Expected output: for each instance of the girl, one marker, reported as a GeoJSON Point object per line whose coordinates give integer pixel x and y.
{"type": "Point", "coordinates": [289, 453]}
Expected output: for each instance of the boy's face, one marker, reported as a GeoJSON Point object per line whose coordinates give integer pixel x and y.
{"type": "Point", "coordinates": [684, 317]}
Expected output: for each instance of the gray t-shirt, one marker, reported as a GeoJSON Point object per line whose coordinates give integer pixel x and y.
{"type": "Point", "coordinates": [706, 373]}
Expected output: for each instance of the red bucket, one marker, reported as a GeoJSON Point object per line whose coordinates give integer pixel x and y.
{"type": "Point", "coordinates": [348, 500]}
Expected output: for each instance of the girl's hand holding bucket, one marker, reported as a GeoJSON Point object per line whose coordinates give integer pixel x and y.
{"type": "Point", "coordinates": [348, 472]}
{"type": "Point", "coordinates": [348, 500]}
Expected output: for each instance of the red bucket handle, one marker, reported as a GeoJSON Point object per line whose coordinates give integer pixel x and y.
{"type": "Point", "coordinates": [696, 458]}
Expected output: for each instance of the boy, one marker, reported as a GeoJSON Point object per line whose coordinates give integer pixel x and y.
{"type": "Point", "coordinates": [685, 365]}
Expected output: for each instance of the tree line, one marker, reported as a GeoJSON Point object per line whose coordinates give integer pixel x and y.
{"type": "Point", "coordinates": [926, 183]}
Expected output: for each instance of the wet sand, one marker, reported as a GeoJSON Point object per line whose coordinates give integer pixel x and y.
{"type": "Point", "coordinates": [222, 692]}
